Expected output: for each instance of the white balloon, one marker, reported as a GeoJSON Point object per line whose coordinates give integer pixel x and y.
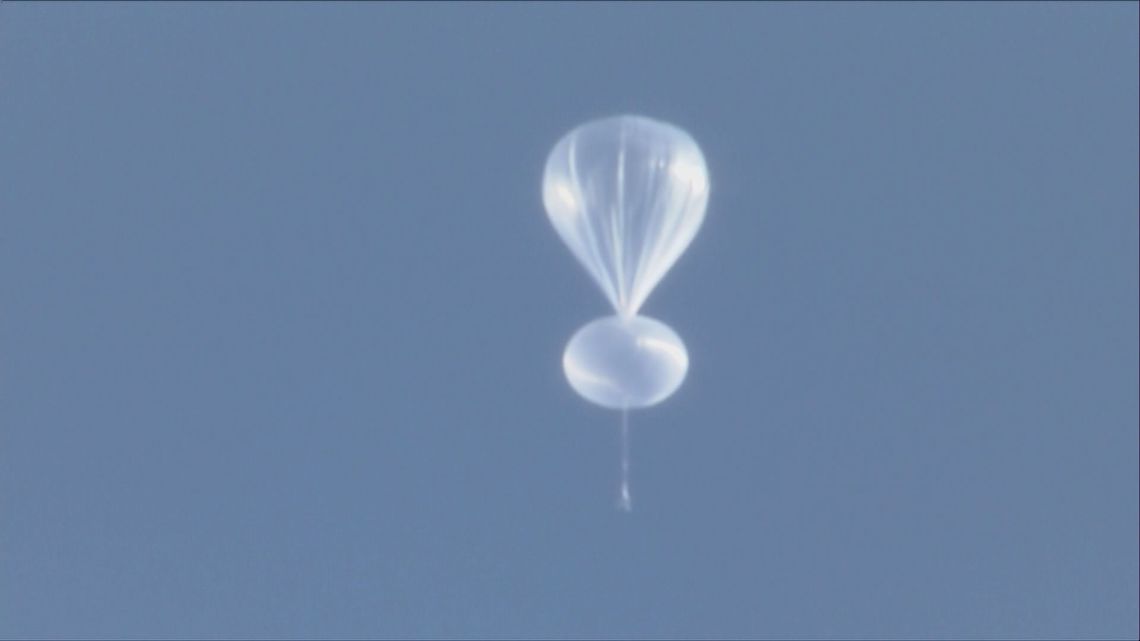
{"type": "Point", "coordinates": [627, 194]}
{"type": "Point", "coordinates": [625, 362]}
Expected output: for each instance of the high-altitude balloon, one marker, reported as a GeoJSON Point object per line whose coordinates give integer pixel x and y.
{"type": "Point", "coordinates": [627, 194]}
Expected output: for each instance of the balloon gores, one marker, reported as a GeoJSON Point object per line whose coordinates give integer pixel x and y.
{"type": "Point", "coordinates": [627, 194]}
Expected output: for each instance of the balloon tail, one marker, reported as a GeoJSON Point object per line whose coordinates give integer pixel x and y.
{"type": "Point", "coordinates": [625, 501]}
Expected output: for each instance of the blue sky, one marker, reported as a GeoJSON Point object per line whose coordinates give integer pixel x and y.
{"type": "Point", "coordinates": [282, 319]}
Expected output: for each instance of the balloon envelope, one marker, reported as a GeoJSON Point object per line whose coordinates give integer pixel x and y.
{"type": "Point", "coordinates": [625, 362]}
{"type": "Point", "coordinates": [627, 194]}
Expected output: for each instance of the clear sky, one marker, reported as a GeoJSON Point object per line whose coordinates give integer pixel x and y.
{"type": "Point", "coordinates": [281, 320]}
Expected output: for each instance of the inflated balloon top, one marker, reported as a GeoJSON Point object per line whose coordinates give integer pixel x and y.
{"type": "Point", "coordinates": [627, 194]}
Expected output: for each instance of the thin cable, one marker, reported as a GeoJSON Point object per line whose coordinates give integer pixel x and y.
{"type": "Point", "coordinates": [625, 501]}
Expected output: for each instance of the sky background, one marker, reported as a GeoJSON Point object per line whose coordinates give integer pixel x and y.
{"type": "Point", "coordinates": [281, 321]}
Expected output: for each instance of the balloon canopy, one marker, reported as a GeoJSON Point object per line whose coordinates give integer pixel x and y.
{"type": "Point", "coordinates": [627, 194]}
